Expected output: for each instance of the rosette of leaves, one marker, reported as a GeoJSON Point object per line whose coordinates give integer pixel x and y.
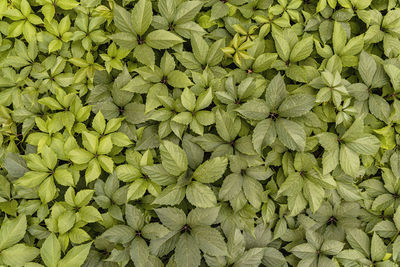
{"type": "Point", "coordinates": [86, 69]}
{"type": "Point", "coordinates": [108, 98]}
{"type": "Point", "coordinates": [382, 28]}
{"type": "Point", "coordinates": [69, 218]}
{"type": "Point", "coordinates": [238, 253]}
{"type": "Point", "coordinates": [155, 81]}
{"type": "Point", "coordinates": [110, 196]}
{"type": "Point", "coordinates": [134, 32]}
{"type": "Point", "coordinates": [274, 115]}
{"type": "Point", "coordinates": [178, 17]}
{"type": "Point", "coordinates": [291, 8]}
{"type": "Point", "coordinates": [203, 55]}
{"type": "Point", "coordinates": [21, 57]}
{"type": "Point", "coordinates": [290, 49]}
{"type": "Point", "coordinates": [373, 76]}
{"type": "Point", "coordinates": [237, 48]}
{"type": "Point", "coordinates": [180, 181]}
{"type": "Point", "coordinates": [364, 250]}
{"type": "Point", "coordinates": [304, 183]}
{"type": "Point", "coordinates": [317, 251]}
{"type": "Point", "coordinates": [58, 33]}
{"type": "Point", "coordinates": [134, 174]}
{"type": "Point", "coordinates": [260, 61]}
{"type": "Point", "coordinates": [195, 115]}
{"type": "Point", "coordinates": [244, 185]}
{"type": "Point", "coordinates": [68, 108]}
{"type": "Point", "coordinates": [346, 148]}
{"type": "Point", "coordinates": [333, 218]}
{"type": "Point", "coordinates": [113, 58]}
{"type": "Point", "coordinates": [69, 118]}
{"type": "Point", "coordinates": [383, 194]}
{"type": "Point", "coordinates": [130, 240]}
{"type": "Point", "coordinates": [98, 144]}
{"type": "Point", "coordinates": [189, 234]}
{"type": "Point", "coordinates": [351, 5]}
{"type": "Point", "coordinates": [22, 19]}
{"type": "Point", "coordinates": [234, 95]}
{"type": "Point", "coordinates": [87, 31]}
{"type": "Point", "coordinates": [43, 172]}
{"type": "Point", "coordinates": [53, 72]}
{"type": "Point", "coordinates": [231, 139]}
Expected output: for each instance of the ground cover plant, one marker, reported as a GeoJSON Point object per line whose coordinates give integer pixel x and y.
{"type": "Point", "coordinates": [199, 133]}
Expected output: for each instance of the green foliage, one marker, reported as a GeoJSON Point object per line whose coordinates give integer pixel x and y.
{"type": "Point", "coordinates": [193, 133]}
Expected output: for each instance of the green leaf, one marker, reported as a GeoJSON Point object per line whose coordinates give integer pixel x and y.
{"type": "Point", "coordinates": [366, 68]}
{"type": "Point", "coordinates": [144, 54]}
{"type": "Point", "coordinates": [200, 195]}
{"type": "Point", "coordinates": [276, 92]}
{"type": "Point", "coordinates": [172, 218]}
{"type": "Point", "coordinates": [296, 105]}
{"type": "Point", "coordinates": [119, 234]}
{"type": "Point", "coordinates": [122, 19]}
{"type": "Point", "coordinates": [51, 251]}
{"type": "Point", "coordinates": [19, 255]}
{"type": "Point", "coordinates": [12, 231]}
{"type": "Point", "coordinates": [264, 62]}
{"type": "Point", "coordinates": [396, 218]}
{"type": "Point", "coordinates": [32, 179]}
{"type": "Point", "coordinates": [142, 15]}
{"type": "Point", "coordinates": [219, 10]}
{"type": "Point", "coordinates": [366, 145]}
{"type": "Point", "coordinates": [178, 79]}
{"type": "Point", "coordinates": [302, 49]}
{"type": "Point", "coordinates": [282, 46]}
{"type": "Point", "coordinates": [211, 170]}
{"type": "Point", "coordinates": [359, 241]}
{"type": "Point", "coordinates": [210, 240]}
{"type": "Point", "coordinates": [134, 217]}
{"type": "Point", "coordinates": [173, 158]}
{"type": "Point", "coordinates": [253, 191]}
{"type": "Point", "coordinates": [64, 177]}
{"type": "Point", "coordinates": [66, 221]}
{"type": "Point", "coordinates": [187, 253]}
{"type": "Point", "coordinates": [349, 160]}
{"type": "Point", "coordinates": [188, 99]}
{"type": "Point", "coordinates": [200, 216]}
{"type": "Point", "coordinates": [291, 134]}
{"type": "Point", "coordinates": [314, 194]}
{"type": "Point", "coordinates": [264, 134]}
{"type": "Point", "coordinates": [80, 156]}
{"type": "Point", "coordinates": [224, 125]}
{"type": "Point", "coordinates": [161, 39]}
{"type": "Point", "coordinates": [67, 4]}
{"type": "Point", "coordinates": [378, 248]}
{"type": "Point", "coordinates": [99, 123]}
{"type": "Point", "coordinates": [136, 189]}
{"type": "Point", "coordinates": [187, 11]}
{"type": "Point", "coordinates": [332, 247]}
{"type": "Point", "coordinates": [139, 252]}
{"type": "Point", "coordinates": [255, 109]}
{"type": "Point", "coordinates": [292, 185]}
{"type": "Point", "coordinates": [338, 37]}
{"type": "Point", "coordinates": [171, 195]}
{"type": "Point", "coordinates": [76, 256]}
{"type": "Point", "coordinates": [90, 214]}
{"type": "Point", "coordinates": [379, 107]}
